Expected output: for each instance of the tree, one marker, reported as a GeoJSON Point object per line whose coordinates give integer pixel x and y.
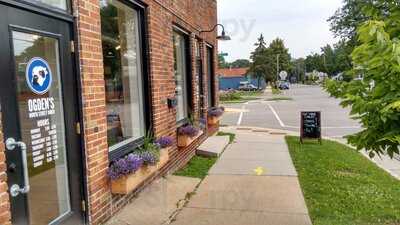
{"type": "Point", "coordinates": [343, 51]}
{"type": "Point", "coordinates": [240, 63]}
{"type": "Point", "coordinates": [298, 69]}
{"type": "Point", "coordinates": [314, 62]}
{"type": "Point", "coordinates": [332, 60]}
{"type": "Point", "coordinates": [375, 100]}
{"type": "Point", "coordinates": [354, 13]}
{"type": "Point", "coordinates": [264, 59]}
{"type": "Point", "coordinates": [278, 53]}
{"type": "Point", "coordinates": [221, 62]}
{"type": "Point", "coordinates": [258, 67]}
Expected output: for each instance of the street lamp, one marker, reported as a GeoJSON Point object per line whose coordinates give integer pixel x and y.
{"type": "Point", "coordinates": [222, 37]}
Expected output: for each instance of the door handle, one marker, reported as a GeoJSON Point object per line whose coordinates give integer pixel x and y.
{"type": "Point", "coordinates": [15, 189]}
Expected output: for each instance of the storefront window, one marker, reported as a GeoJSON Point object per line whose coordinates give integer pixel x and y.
{"type": "Point", "coordinates": [180, 70]}
{"type": "Point", "coordinates": [60, 4]}
{"type": "Point", "coordinates": [210, 78]}
{"type": "Point", "coordinates": [123, 74]}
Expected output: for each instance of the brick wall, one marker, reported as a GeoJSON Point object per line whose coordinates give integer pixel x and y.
{"type": "Point", "coordinates": [94, 110]}
{"type": "Point", "coordinates": [162, 15]}
{"type": "Point", "coordinates": [5, 215]}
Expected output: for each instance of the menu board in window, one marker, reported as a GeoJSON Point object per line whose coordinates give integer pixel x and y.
{"type": "Point", "coordinates": [310, 126]}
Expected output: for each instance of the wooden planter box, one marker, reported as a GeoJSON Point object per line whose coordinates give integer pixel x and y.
{"type": "Point", "coordinates": [127, 184]}
{"type": "Point", "coordinates": [213, 120]}
{"type": "Point", "coordinates": [184, 140]}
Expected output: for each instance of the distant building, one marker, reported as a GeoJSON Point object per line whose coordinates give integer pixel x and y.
{"type": "Point", "coordinates": [231, 78]}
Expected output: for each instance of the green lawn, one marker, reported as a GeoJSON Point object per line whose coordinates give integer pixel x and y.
{"type": "Point", "coordinates": [249, 93]}
{"type": "Point", "coordinates": [239, 96]}
{"type": "Point", "coordinates": [341, 187]}
{"type": "Point", "coordinates": [280, 98]}
{"type": "Point", "coordinates": [232, 102]}
{"type": "Point", "coordinates": [198, 167]}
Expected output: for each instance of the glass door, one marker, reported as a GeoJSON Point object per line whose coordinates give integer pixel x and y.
{"type": "Point", "coordinates": [39, 114]}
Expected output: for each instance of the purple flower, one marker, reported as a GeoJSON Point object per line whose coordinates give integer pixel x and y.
{"type": "Point", "coordinates": [113, 173]}
{"type": "Point", "coordinates": [149, 158]}
{"type": "Point", "coordinates": [134, 162]}
{"type": "Point", "coordinates": [216, 111]}
{"type": "Point", "coordinates": [188, 130]}
{"type": "Point", "coordinates": [124, 166]}
{"type": "Point", "coordinates": [165, 142]}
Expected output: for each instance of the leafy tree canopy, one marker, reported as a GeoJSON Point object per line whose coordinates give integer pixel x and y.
{"type": "Point", "coordinates": [264, 59]}
{"type": "Point", "coordinates": [375, 100]}
{"type": "Point", "coordinates": [222, 62]}
{"type": "Point", "coordinates": [353, 13]}
{"type": "Point", "coordinates": [240, 63]}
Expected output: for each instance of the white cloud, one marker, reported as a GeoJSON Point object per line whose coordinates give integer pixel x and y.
{"type": "Point", "coordinates": [301, 23]}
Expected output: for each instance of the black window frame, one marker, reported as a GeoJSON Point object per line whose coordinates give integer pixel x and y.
{"type": "Point", "coordinates": [43, 8]}
{"type": "Point", "coordinates": [134, 145]}
{"type": "Point", "coordinates": [199, 73]}
{"type": "Point", "coordinates": [189, 76]}
{"type": "Point", "coordinates": [210, 58]}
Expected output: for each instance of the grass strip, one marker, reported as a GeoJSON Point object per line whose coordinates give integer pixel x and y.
{"type": "Point", "coordinates": [197, 167]}
{"type": "Point", "coordinates": [342, 187]}
{"type": "Point", "coordinates": [279, 99]}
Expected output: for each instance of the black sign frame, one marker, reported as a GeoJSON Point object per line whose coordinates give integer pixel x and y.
{"type": "Point", "coordinates": [317, 133]}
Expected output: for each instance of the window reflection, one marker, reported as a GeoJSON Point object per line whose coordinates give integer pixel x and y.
{"type": "Point", "coordinates": [122, 72]}
{"type": "Point", "coordinates": [60, 4]}
{"type": "Point", "coordinates": [180, 71]}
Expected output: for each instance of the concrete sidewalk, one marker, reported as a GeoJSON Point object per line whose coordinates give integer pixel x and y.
{"type": "Point", "coordinates": [156, 203]}
{"type": "Point", "coordinates": [253, 183]}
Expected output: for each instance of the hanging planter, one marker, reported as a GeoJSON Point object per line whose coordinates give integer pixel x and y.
{"type": "Point", "coordinates": [187, 134]}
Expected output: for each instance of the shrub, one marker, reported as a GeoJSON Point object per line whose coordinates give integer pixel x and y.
{"type": "Point", "coordinates": [229, 96]}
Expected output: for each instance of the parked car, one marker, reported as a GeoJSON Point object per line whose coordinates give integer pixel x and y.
{"type": "Point", "coordinates": [247, 87]}
{"type": "Point", "coordinates": [284, 86]}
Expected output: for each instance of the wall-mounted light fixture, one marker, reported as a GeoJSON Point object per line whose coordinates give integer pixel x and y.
{"type": "Point", "coordinates": [222, 37]}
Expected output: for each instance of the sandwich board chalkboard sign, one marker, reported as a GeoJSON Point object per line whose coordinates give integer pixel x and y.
{"type": "Point", "coordinates": [310, 127]}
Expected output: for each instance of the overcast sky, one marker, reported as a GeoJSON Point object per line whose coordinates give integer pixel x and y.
{"type": "Point", "coordinates": [300, 23]}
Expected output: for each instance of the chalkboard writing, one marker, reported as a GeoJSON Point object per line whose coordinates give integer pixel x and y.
{"type": "Point", "coordinates": [310, 125]}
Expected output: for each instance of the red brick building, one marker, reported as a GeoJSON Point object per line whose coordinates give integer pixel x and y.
{"type": "Point", "coordinates": [84, 82]}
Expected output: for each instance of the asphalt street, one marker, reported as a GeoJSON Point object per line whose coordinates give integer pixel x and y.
{"type": "Point", "coordinates": [336, 120]}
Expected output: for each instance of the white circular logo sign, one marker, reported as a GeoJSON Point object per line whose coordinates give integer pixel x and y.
{"type": "Point", "coordinates": [38, 75]}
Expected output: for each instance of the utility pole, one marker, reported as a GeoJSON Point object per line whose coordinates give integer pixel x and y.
{"type": "Point", "coordinates": [326, 69]}
{"type": "Point", "coordinates": [277, 67]}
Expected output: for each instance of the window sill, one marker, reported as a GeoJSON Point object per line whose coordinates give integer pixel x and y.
{"type": "Point", "coordinates": [126, 149]}
{"type": "Point", "coordinates": [182, 122]}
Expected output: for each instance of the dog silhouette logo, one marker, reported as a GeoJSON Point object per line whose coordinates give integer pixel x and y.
{"type": "Point", "coordinates": [38, 75]}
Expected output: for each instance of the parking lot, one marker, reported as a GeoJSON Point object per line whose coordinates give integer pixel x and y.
{"type": "Point", "coordinates": [285, 115]}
